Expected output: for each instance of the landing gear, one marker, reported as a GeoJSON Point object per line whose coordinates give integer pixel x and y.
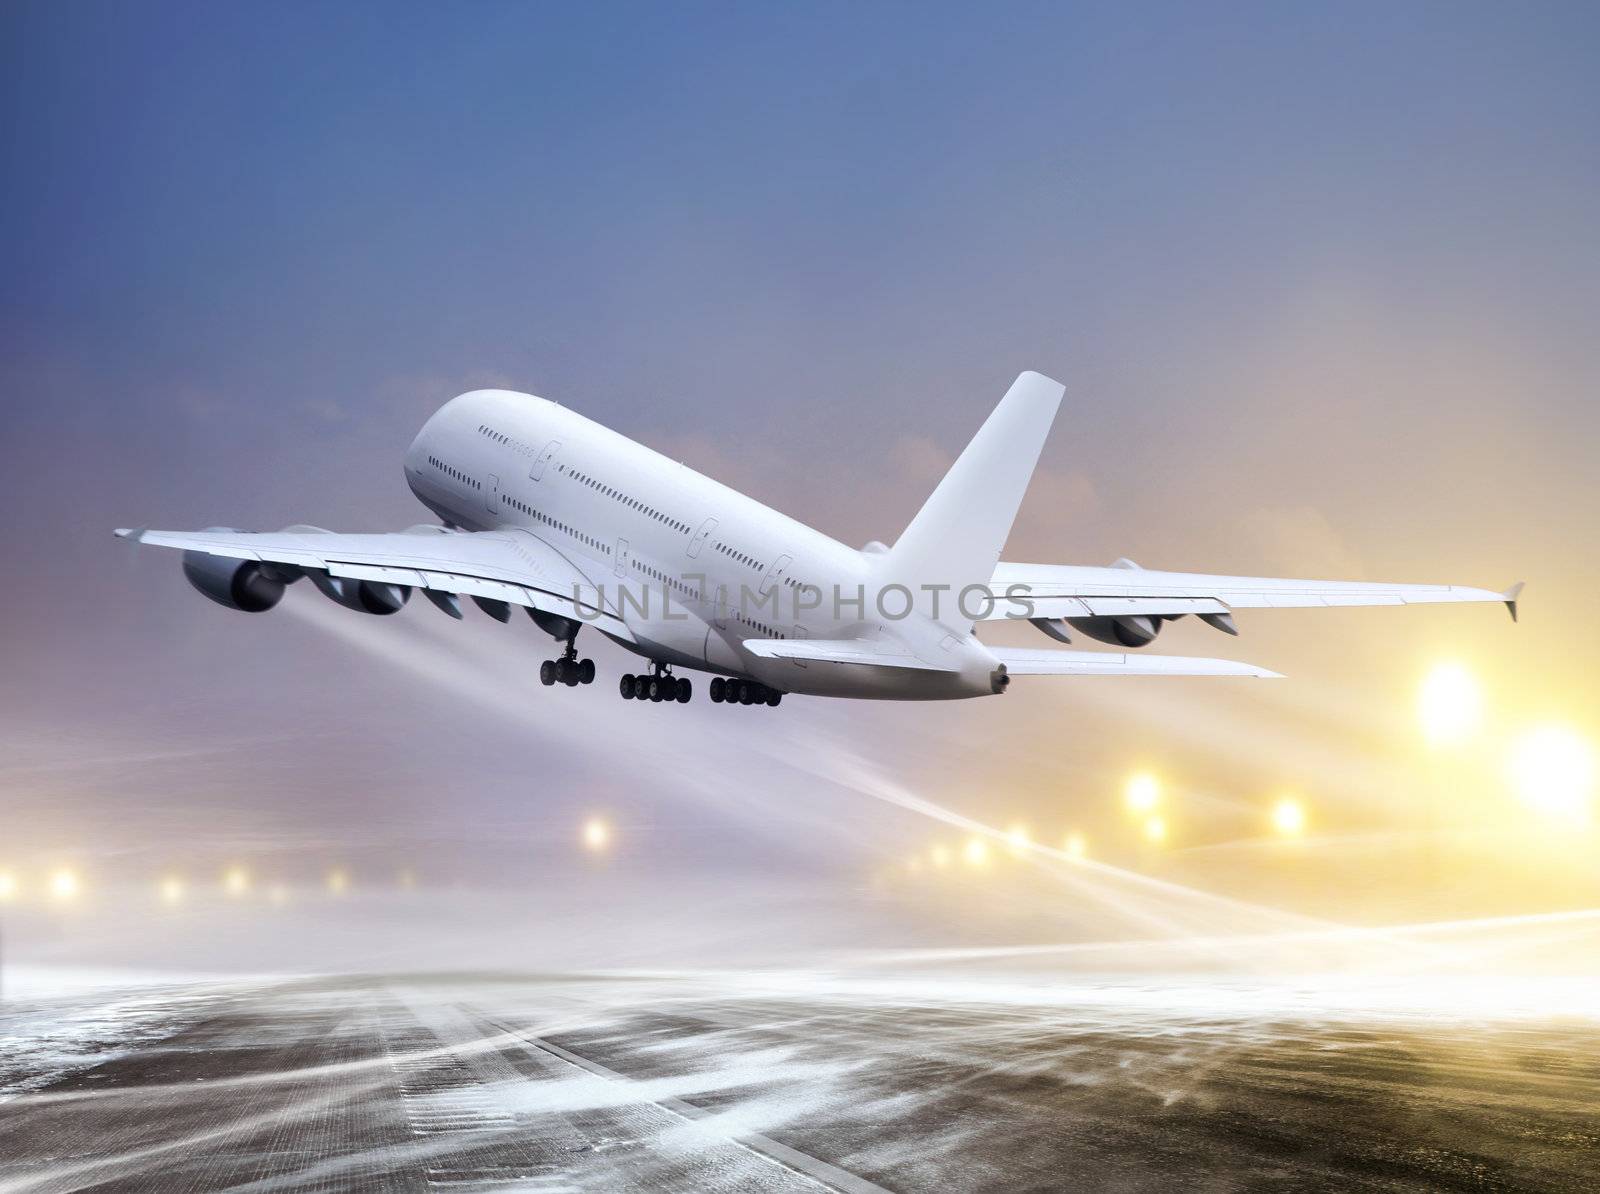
{"type": "Point", "coordinates": [569, 669]}
{"type": "Point", "coordinates": [743, 692]}
{"type": "Point", "coordinates": [659, 686]}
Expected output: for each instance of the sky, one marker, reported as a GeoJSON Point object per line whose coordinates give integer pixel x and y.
{"type": "Point", "coordinates": [1321, 284]}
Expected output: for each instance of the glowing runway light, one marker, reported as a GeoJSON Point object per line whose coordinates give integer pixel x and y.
{"type": "Point", "coordinates": [1449, 704]}
{"type": "Point", "coordinates": [171, 890]}
{"type": "Point", "coordinates": [236, 881]}
{"type": "Point", "coordinates": [338, 881]}
{"type": "Point", "coordinates": [63, 884]}
{"type": "Point", "coordinates": [8, 886]}
{"type": "Point", "coordinates": [1288, 817]}
{"type": "Point", "coordinates": [1077, 847]}
{"type": "Point", "coordinates": [1017, 838]}
{"type": "Point", "coordinates": [976, 852]}
{"type": "Point", "coordinates": [1143, 793]}
{"type": "Point", "coordinates": [596, 834]}
{"type": "Point", "coordinates": [1155, 829]}
{"type": "Point", "coordinates": [1552, 770]}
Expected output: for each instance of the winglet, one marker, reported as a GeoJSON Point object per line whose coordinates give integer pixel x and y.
{"type": "Point", "coordinates": [1510, 598]}
{"type": "Point", "coordinates": [134, 533]}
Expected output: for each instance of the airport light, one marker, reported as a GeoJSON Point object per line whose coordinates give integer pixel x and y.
{"type": "Point", "coordinates": [1449, 704]}
{"type": "Point", "coordinates": [1076, 847]}
{"type": "Point", "coordinates": [170, 890]}
{"type": "Point", "coordinates": [596, 835]}
{"type": "Point", "coordinates": [236, 881]}
{"type": "Point", "coordinates": [1017, 837]}
{"type": "Point", "coordinates": [976, 852]}
{"type": "Point", "coordinates": [8, 886]}
{"type": "Point", "coordinates": [1552, 770]}
{"type": "Point", "coordinates": [1155, 829]}
{"type": "Point", "coordinates": [63, 883]}
{"type": "Point", "coordinates": [338, 881]}
{"type": "Point", "coordinates": [1143, 793]}
{"type": "Point", "coordinates": [1288, 817]}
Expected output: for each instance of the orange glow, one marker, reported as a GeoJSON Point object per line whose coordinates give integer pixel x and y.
{"type": "Point", "coordinates": [1143, 793]}
{"type": "Point", "coordinates": [1288, 817]}
{"type": "Point", "coordinates": [1449, 704]}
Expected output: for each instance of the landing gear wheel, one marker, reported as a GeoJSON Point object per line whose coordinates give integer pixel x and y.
{"type": "Point", "coordinates": [626, 688]}
{"type": "Point", "coordinates": [561, 668]}
{"type": "Point", "coordinates": [747, 694]}
{"type": "Point", "coordinates": [547, 672]}
{"type": "Point", "coordinates": [586, 672]}
{"type": "Point", "coordinates": [718, 686]}
{"type": "Point", "coordinates": [685, 690]}
{"type": "Point", "coordinates": [773, 698]}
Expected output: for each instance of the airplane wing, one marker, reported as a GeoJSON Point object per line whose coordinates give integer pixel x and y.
{"type": "Point", "coordinates": [512, 566]}
{"type": "Point", "coordinates": [882, 653]}
{"type": "Point", "coordinates": [1028, 662]}
{"type": "Point", "coordinates": [1122, 590]}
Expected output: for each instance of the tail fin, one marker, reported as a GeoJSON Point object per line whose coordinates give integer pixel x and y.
{"type": "Point", "coordinates": [956, 538]}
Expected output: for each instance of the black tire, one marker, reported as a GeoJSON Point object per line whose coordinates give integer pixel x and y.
{"type": "Point", "coordinates": [652, 688]}
{"type": "Point", "coordinates": [717, 687]}
{"type": "Point", "coordinates": [747, 693]}
{"type": "Point", "coordinates": [625, 685]}
{"type": "Point", "coordinates": [685, 691]}
{"type": "Point", "coordinates": [547, 672]}
{"type": "Point", "coordinates": [562, 668]}
{"type": "Point", "coordinates": [586, 672]}
{"type": "Point", "coordinates": [773, 698]}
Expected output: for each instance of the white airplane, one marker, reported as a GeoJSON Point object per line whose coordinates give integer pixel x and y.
{"type": "Point", "coordinates": [580, 525]}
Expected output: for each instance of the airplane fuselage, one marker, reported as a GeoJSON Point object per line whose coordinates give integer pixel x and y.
{"type": "Point", "coordinates": [694, 567]}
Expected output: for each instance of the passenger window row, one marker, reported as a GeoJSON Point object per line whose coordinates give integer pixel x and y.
{"type": "Point", "coordinates": [748, 561]}
{"type": "Point", "coordinates": [631, 502]}
{"type": "Point", "coordinates": [588, 540]}
{"type": "Point", "coordinates": [455, 473]}
{"type": "Point", "coordinates": [501, 438]}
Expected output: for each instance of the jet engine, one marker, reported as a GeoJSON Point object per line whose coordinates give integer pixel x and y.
{"type": "Point", "coordinates": [367, 596]}
{"type": "Point", "coordinates": [247, 585]}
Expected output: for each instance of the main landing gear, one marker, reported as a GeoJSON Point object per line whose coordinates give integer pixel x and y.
{"type": "Point", "coordinates": [659, 686]}
{"type": "Point", "coordinates": [568, 670]}
{"type": "Point", "coordinates": [743, 692]}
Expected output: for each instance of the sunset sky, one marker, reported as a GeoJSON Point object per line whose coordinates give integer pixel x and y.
{"type": "Point", "coordinates": [1322, 285]}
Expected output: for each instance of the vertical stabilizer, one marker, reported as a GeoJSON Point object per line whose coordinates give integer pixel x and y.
{"type": "Point", "coordinates": [956, 538]}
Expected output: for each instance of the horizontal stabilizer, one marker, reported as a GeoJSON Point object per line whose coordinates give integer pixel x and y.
{"type": "Point", "coordinates": [1046, 662]}
{"type": "Point", "coordinates": [865, 652]}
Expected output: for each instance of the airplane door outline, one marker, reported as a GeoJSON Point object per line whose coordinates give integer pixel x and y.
{"type": "Point", "coordinates": [622, 557]}
{"type": "Point", "coordinates": [701, 536]}
{"type": "Point", "coordinates": [491, 497]}
{"type": "Point", "coordinates": [546, 454]}
{"type": "Point", "coordinates": [775, 573]}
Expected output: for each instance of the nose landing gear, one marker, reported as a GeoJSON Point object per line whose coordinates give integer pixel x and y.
{"type": "Point", "coordinates": [660, 685]}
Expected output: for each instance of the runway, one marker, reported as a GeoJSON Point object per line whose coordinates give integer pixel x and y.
{"type": "Point", "coordinates": [745, 1081]}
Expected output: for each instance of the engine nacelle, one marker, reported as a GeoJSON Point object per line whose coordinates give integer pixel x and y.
{"type": "Point", "coordinates": [247, 585]}
{"type": "Point", "coordinates": [367, 596]}
{"type": "Point", "coordinates": [1135, 630]}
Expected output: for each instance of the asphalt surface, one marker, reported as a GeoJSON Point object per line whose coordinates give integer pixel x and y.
{"type": "Point", "coordinates": [717, 1084]}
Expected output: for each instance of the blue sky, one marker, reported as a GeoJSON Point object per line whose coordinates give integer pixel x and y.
{"type": "Point", "coordinates": [1321, 282]}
